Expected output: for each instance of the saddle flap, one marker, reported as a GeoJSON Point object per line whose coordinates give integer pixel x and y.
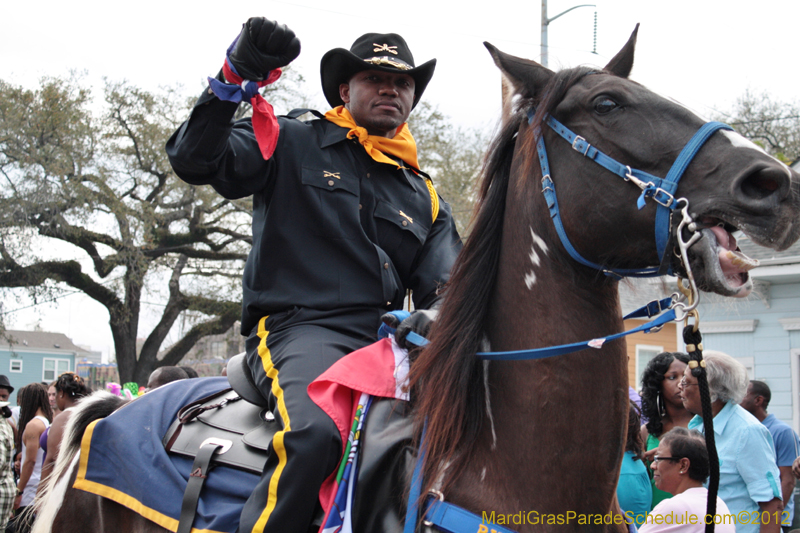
{"type": "Point", "coordinates": [237, 417]}
{"type": "Point", "coordinates": [261, 436]}
{"type": "Point", "coordinates": [241, 428]}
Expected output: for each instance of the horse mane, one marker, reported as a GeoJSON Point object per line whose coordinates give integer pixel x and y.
{"type": "Point", "coordinates": [446, 379]}
{"type": "Point", "coordinates": [88, 409]}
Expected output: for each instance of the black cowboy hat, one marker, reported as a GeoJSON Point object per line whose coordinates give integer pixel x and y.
{"type": "Point", "coordinates": [5, 384]}
{"type": "Point", "coordinates": [372, 51]}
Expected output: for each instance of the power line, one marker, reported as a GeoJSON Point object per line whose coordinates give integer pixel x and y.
{"type": "Point", "coordinates": [743, 122]}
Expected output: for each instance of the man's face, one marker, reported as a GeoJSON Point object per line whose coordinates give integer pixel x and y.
{"type": "Point", "coordinates": [379, 101]}
{"type": "Point", "coordinates": [690, 392]}
{"type": "Point", "coordinates": [749, 401]}
{"type": "Point", "coordinates": [4, 394]}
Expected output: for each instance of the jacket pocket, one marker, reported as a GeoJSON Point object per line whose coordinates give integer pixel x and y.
{"type": "Point", "coordinates": [333, 200]}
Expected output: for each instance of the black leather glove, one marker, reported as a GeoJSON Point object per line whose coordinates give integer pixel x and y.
{"type": "Point", "coordinates": [263, 45]}
{"type": "Point", "coordinates": [391, 319]}
{"type": "Point", "coordinates": [419, 322]}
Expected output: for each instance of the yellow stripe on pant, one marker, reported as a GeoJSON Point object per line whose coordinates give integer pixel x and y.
{"type": "Point", "coordinates": [277, 440]}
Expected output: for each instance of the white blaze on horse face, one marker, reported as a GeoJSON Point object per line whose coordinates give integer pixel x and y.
{"type": "Point", "coordinates": [530, 277]}
{"type": "Point", "coordinates": [739, 141]}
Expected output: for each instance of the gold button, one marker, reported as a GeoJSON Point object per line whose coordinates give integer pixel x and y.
{"type": "Point", "coordinates": [386, 266]}
{"type": "Point", "coordinates": [330, 182]}
{"type": "Point", "coordinates": [405, 223]}
{"type": "Point", "coordinates": [388, 303]}
{"type": "Point", "coordinates": [210, 91]}
{"type": "Point", "coordinates": [369, 175]}
{"type": "Point", "coordinates": [360, 206]}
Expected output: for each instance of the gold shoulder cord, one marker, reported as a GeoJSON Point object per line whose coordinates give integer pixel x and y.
{"type": "Point", "coordinates": [434, 199]}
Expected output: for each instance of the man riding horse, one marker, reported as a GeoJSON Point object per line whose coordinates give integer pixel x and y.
{"type": "Point", "coordinates": [344, 222]}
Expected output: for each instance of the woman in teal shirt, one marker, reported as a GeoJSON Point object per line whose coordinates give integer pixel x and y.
{"type": "Point", "coordinates": [633, 490]}
{"type": "Point", "coordinates": [662, 407]}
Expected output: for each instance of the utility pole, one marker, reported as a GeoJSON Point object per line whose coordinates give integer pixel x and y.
{"type": "Point", "coordinates": [546, 21]}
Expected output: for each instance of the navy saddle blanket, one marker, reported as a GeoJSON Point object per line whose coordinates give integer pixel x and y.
{"type": "Point", "coordinates": [123, 459]}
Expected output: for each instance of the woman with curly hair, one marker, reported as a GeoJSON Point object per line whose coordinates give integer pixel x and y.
{"type": "Point", "coordinates": [662, 405]}
{"type": "Point", "coordinates": [70, 388]}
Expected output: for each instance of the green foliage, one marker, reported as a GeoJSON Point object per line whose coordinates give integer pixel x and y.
{"type": "Point", "coordinates": [89, 202]}
{"type": "Point", "coordinates": [772, 124]}
{"type": "Point", "coordinates": [453, 156]}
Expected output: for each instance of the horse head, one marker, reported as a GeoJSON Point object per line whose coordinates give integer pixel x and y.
{"type": "Point", "coordinates": [730, 184]}
{"type": "Point", "coordinates": [592, 174]}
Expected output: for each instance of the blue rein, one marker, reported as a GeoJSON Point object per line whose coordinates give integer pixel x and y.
{"type": "Point", "coordinates": [451, 518]}
{"type": "Point", "coordinates": [661, 190]}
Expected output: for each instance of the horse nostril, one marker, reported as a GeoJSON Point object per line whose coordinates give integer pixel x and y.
{"type": "Point", "coordinates": [764, 183]}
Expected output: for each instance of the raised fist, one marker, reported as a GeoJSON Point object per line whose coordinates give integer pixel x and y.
{"type": "Point", "coordinates": [262, 46]}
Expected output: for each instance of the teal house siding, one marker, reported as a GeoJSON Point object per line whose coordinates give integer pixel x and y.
{"type": "Point", "coordinates": [763, 330]}
{"type": "Point", "coordinates": [36, 356]}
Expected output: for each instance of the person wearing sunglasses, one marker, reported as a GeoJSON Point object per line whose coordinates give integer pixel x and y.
{"type": "Point", "coordinates": [680, 467]}
{"type": "Point", "coordinates": [749, 480]}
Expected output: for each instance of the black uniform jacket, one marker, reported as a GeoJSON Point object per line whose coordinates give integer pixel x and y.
{"type": "Point", "coordinates": [332, 228]}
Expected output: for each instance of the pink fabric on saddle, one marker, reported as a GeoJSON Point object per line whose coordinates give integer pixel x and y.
{"type": "Point", "coordinates": [379, 369]}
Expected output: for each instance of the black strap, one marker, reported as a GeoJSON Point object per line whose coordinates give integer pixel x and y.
{"type": "Point", "coordinates": [191, 495]}
{"type": "Point", "coordinates": [295, 113]}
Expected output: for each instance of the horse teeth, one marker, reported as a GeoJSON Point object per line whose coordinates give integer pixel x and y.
{"type": "Point", "coordinates": [739, 260]}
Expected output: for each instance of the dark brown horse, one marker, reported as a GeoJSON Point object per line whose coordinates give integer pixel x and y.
{"type": "Point", "coordinates": [546, 437]}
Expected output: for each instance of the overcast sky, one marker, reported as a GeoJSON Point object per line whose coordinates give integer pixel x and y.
{"type": "Point", "coordinates": [703, 53]}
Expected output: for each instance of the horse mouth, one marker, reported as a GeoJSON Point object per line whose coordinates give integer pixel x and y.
{"type": "Point", "coordinates": [723, 268]}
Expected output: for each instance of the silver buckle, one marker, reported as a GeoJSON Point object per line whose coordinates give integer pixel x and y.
{"type": "Point", "coordinates": [224, 443]}
{"type": "Point", "coordinates": [440, 496]}
{"type": "Point", "coordinates": [669, 202]}
{"type": "Point", "coordinates": [579, 138]}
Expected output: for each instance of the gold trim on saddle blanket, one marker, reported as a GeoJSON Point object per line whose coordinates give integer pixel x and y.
{"type": "Point", "coordinates": [113, 494]}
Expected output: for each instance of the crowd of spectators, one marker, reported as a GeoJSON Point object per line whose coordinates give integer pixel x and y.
{"type": "Point", "coordinates": [664, 471]}
{"type": "Point", "coordinates": [758, 454]}
{"type": "Point", "coordinates": [31, 433]}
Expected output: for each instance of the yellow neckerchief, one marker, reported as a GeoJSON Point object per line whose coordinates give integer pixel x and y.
{"type": "Point", "coordinates": [402, 146]}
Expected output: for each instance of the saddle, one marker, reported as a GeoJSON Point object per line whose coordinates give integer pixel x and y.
{"type": "Point", "coordinates": [235, 426]}
{"type": "Point", "coordinates": [235, 421]}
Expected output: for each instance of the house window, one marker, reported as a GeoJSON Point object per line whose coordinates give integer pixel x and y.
{"type": "Point", "coordinates": [218, 349]}
{"type": "Point", "coordinates": [644, 353]}
{"type": "Point", "coordinates": [16, 365]}
{"type": "Point", "coordinates": [52, 368]}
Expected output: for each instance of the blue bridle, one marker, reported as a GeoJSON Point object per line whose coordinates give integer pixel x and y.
{"type": "Point", "coordinates": [452, 518]}
{"type": "Point", "coordinates": [660, 190]}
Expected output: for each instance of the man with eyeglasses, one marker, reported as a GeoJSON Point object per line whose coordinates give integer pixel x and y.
{"type": "Point", "coordinates": [749, 480]}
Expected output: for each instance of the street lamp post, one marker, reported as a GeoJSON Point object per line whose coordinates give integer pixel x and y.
{"type": "Point", "coordinates": [546, 21]}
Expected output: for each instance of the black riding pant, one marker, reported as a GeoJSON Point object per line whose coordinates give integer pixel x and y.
{"type": "Point", "coordinates": [285, 353]}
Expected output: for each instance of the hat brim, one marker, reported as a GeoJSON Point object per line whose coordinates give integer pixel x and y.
{"type": "Point", "coordinates": [339, 65]}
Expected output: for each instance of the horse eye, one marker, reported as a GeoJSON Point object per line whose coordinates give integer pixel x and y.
{"type": "Point", "coordinates": [604, 105]}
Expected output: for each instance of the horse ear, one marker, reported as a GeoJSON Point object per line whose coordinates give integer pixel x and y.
{"type": "Point", "coordinates": [528, 77]}
{"type": "Point", "coordinates": [622, 63]}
